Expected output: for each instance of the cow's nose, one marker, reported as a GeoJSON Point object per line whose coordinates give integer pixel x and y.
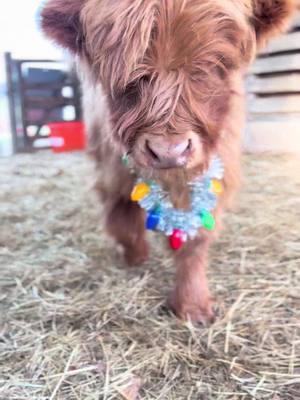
{"type": "Point", "coordinates": [163, 153]}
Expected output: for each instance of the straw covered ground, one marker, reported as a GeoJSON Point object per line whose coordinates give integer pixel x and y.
{"type": "Point", "coordinates": [76, 324]}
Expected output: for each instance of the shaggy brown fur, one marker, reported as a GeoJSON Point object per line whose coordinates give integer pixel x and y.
{"type": "Point", "coordinates": [164, 72]}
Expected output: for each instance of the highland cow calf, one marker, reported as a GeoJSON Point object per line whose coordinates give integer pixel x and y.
{"type": "Point", "coordinates": [163, 82]}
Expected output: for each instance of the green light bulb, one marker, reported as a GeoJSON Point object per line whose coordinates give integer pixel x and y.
{"type": "Point", "coordinates": [208, 220]}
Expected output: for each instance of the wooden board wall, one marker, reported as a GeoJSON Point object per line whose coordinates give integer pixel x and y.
{"type": "Point", "coordinates": [273, 88]}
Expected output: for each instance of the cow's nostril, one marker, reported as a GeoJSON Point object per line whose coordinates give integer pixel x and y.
{"type": "Point", "coordinates": [151, 152]}
{"type": "Point", "coordinates": [189, 146]}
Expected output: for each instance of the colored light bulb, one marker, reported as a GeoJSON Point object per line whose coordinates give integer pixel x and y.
{"type": "Point", "coordinates": [208, 220]}
{"type": "Point", "coordinates": [177, 239]}
{"type": "Point", "coordinates": [216, 186]}
{"type": "Point", "coordinates": [125, 160]}
{"type": "Point", "coordinates": [152, 220]}
{"type": "Point", "coordinates": [140, 191]}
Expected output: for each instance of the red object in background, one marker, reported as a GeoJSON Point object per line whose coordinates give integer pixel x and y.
{"type": "Point", "coordinates": [67, 136]}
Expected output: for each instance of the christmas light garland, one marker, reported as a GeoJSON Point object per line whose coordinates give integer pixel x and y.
{"type": "Point", "coordinates": [178, 224]}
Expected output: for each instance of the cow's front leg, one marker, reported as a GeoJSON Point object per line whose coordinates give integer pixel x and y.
{"type": "Point", "coordinates": [191, 297]}
{"type": "Point", "coordinates": [126, 223]}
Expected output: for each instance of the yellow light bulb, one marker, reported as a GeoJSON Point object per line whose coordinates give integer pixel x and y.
{"type": "Point", "coordinates": [216, 186]}
{"type": "Point", "coordinates": [140, 191]}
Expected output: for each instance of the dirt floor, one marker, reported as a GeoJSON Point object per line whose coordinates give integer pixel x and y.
{"type": "Point", "coordinates": [76, 324]}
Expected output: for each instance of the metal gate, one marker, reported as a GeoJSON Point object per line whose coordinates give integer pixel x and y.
{"type": "Point", "coordinates": [39, 92]}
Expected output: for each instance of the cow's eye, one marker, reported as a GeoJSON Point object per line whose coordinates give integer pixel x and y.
{"type": "Point", "coordinates": [132, 93]}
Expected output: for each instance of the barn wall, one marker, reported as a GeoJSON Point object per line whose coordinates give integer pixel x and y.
{"type": "Point", "coordinates": [273, 89]}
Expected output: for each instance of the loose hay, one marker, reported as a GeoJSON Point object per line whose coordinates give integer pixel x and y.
{"type": "Point", "coordinates": [76, 324]}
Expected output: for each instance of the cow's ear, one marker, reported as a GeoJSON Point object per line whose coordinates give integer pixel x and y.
{"type": "Point", "coordinates": [60, 21]}
{"type": "Point", "coordinates": [270, 17]}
